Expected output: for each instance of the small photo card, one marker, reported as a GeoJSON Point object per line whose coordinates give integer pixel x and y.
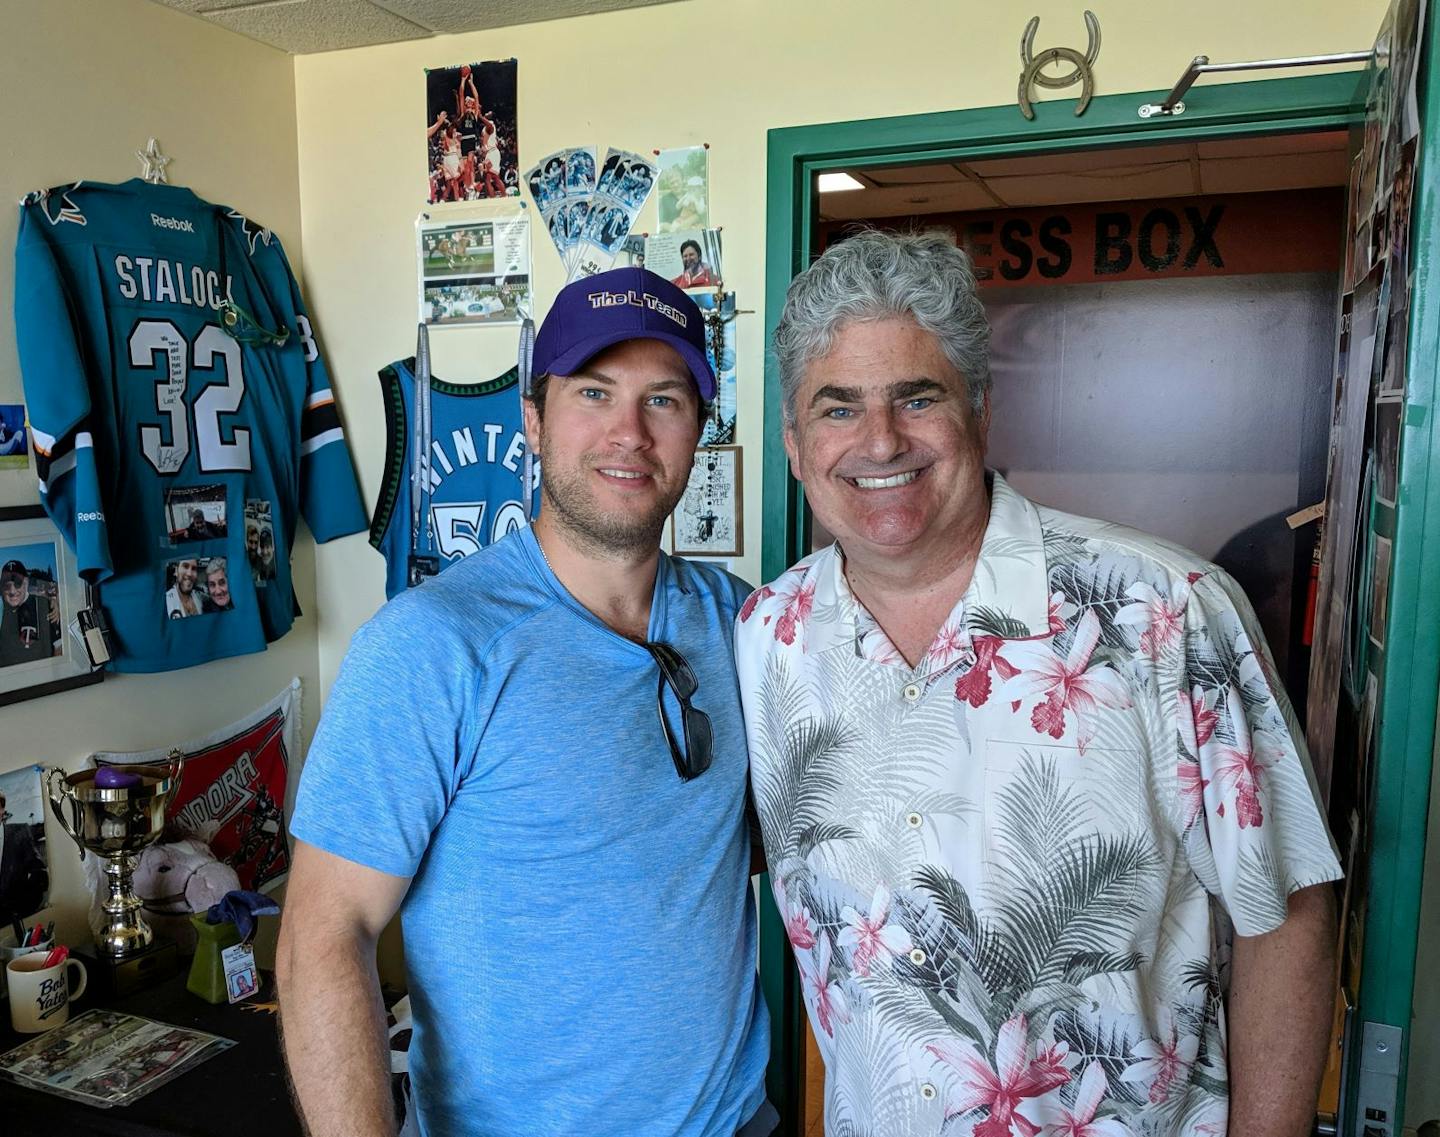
{"type": "Point", "coordinates": [242, 978]}
{"type": "Point", "coordinates": [14, 437]}
{"type": "Point", "coordinates": [708, 522]}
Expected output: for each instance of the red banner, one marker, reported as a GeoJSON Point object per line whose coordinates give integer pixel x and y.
{"type": "Point", "coordinates": [233, 791]}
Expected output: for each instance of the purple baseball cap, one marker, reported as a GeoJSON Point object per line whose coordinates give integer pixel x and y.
{"type": "Point", "coordinates": [623, 304]}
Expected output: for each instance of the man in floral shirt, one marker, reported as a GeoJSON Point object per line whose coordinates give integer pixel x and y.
{"type": "Point", "coordinates": [1022, 776]}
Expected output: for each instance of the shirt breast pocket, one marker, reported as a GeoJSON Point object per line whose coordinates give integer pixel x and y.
{"type": "Point", "coordinates": [1066, 829]}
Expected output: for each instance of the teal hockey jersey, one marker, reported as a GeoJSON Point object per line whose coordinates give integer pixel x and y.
{"type": "Point", "coordinates": [475, 471]}
{"type": "Point", "coordinates": [182, 416]}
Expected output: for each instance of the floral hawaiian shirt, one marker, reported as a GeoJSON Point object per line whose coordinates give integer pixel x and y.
{"type": "Point", "coordinates": [1009, 873]}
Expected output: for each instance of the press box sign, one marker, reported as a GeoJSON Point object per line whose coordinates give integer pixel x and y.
{"type": "Point", "coordinates": [1293, 231]}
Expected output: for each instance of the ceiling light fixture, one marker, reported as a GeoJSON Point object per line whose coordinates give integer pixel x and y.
{"type": "Point", "coordinates": [836, 182]}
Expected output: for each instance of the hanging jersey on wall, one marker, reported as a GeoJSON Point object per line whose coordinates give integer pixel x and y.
{"type": "Point", "coordinates": [176, 455]}
{"type": "Point", "coordinates": [476, 454]}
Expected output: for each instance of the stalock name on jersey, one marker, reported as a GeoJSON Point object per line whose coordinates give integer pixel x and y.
{"type": "Point", "coordinates": [464, 452]}
{"type": "Point", "coordinates": [160, 281]}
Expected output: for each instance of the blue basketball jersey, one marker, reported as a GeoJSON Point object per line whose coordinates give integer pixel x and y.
{"type": "Point", "coordinates": [182, 416]}
{"type": "Point", "coordinates": [476, 471]}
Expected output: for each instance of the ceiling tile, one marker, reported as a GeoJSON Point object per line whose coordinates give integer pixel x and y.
{"type": "Point", "coordinates": [449, 16]}
{"type": "Point", "coordinates": [204, 7]}
{"type": "Point", "coordinates": [914, 175]}
{"type": "Point", "coordinates": [1275, 144]}
{"type": "Point", "coordinates": [1049, 189]}
{"type": "Point", "coordinates": [318, 25]}
{"type": "Point", "coordinates": [901, 201]}
{"type": "Point", "coordinates": [304, 26]}
{"type": "Point", "coordinates": [1274, 172]}
{"type": "Point", "coordinates": [1135, 157]}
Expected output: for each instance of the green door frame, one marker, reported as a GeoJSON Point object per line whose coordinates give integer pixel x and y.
{"type": "Point", "coordinates": [1276, 106]}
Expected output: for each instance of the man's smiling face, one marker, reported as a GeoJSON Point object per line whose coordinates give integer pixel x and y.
{"type": "Point", "coordinates": [891, 453]}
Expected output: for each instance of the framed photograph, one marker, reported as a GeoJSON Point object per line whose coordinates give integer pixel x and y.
{"type": "Point", "coordinates": [687, 258]}
{"type": "Point", "coordinates": [471, 141]}
{"type": "Point", "coordinates": [25, 882]}
{"type": "Point", "coordinates": [1380, 590]}
{"type": "Point", "coordinates": [709, 520]}
{"type": "Point", "coordinates": [40, 594]}
{"type": "Point", "coordinates": [684, 182]}
{"type": "Point", "coordinates": [14, 438]}
{"type": "Point", "coordinates": [475, 271]}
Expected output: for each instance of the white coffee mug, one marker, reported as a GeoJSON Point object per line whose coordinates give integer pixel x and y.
{"type": "Point", "coordinates": [9, 953]}
{"type": "Point", "coordinates": [39, 995]}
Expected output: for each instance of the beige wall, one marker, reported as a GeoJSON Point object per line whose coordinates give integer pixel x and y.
{"type": "Point", "coordinates": [675, 75]}
{"type": "Point", "coordinates": [85, 83]}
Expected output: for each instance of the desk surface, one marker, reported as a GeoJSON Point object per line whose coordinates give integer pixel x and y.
{"type": "Point", "coordinates": [240, 1092]}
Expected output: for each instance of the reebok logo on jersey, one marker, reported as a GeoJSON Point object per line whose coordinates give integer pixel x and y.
{"type": "Point", "coordinates": [172, 223]}
{"type": "Point", "coordinates": [89, 515]}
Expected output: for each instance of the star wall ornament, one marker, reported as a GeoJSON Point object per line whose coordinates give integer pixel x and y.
{"type": "Point", "coordinates": [153, 163]}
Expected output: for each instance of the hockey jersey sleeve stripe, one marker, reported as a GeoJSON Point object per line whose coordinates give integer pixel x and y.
{"type": "Point", "coordinates": [60, 458]}
{"type": "Point", "coordinates": [51, 472]}
{"type": "Point", "coordinates": [319, 421]}
{"type": "Point", "coordinates": [320, 399]}
{"type": "Point", "coordinates": [43, 443]}
{"type": "Point", "coordinates": [310, 445]}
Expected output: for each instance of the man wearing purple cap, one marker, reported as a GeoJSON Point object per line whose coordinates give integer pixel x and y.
{"type": "Point", "coordinates": [553, 727]}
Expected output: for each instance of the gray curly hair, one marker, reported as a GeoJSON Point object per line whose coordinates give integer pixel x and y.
{"type": "Point", "coordinates": [875, 276]}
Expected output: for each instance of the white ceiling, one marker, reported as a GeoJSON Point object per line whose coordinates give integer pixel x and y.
{"type": "Point", "coordinates": [1247, 165]}
{"type": "Point", "coordinates": [305, 26]}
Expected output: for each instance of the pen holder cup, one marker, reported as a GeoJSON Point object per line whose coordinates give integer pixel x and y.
{"type": "Point", "coordinates": [207, 972]}
{"type": "Point", "coordinates": [9, 953]}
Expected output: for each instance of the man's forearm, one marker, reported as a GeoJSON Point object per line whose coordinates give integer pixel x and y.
{"type": "Point", "coordinates": [1281, 1002]}
{"type": "Point", "coordinates": [333, 1028]}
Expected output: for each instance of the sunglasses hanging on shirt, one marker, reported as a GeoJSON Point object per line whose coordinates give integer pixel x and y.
{"type": "Point", "coordinates": [675, 672]}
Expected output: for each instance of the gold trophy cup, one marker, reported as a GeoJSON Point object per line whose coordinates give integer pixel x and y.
{"type": "Point", "coordinates": [116, 822]}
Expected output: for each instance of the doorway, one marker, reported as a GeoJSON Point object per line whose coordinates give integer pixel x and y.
{"type": "Point", "coordinates": [1162, 341]}
{"type": "Point", "coordinates": [1271, 126]}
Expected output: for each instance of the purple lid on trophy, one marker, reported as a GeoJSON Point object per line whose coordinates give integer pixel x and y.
{"type": "Point", "coordinates": [113, 778]}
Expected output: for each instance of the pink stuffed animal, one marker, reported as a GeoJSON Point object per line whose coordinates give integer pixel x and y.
{"type": "Point", "coordinates": [177, 878]}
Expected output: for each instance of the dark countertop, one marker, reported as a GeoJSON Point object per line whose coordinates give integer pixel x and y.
{"type": "Point", "coordinates": [240, 1092]}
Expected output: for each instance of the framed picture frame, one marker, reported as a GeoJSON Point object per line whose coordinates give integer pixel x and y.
{"type": "Point", "coordinates": [40, 594]}
{"type": "Point", "coordinates": [709, 521]}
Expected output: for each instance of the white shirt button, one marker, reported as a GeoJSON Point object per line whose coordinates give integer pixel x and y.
{"type": "Point", "coordinates": [911, 692]}
{"type": "Point", "coordinates": [917, 957]}
{"type": "Point", "coordinates": [927, 1091]}
{"type": "Point", "coordinates": [914, 820]}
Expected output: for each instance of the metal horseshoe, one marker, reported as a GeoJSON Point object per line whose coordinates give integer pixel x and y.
{"type": "Point", "coordinates": [1033, 75]}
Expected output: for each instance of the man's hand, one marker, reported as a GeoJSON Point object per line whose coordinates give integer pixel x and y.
{"type": "Point", "coordinates": [1282, 993]}
{"type": "Point", "coordinates": [332, 1019]}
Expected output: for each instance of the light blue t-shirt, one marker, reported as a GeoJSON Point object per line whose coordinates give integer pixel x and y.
{"type": "Point", "coordinates": [580, 930]}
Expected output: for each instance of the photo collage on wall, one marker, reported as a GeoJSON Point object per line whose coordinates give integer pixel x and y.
{"type": "Point", "coordinates": [1356, 541]}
